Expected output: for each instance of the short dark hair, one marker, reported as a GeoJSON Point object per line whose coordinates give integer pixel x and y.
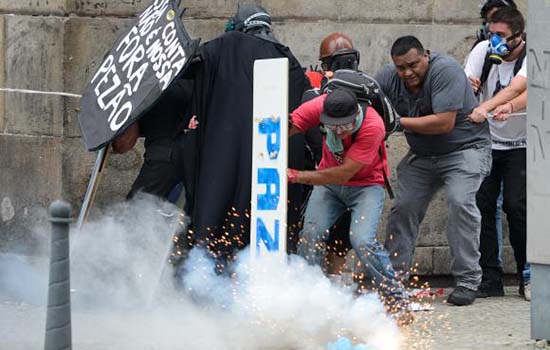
{"type": "Point", "coordinates": [405, 43]}
{"type": "Point", "coordinates": [491, 4]}
{"type": "Point", "coordinates": [511, 17]}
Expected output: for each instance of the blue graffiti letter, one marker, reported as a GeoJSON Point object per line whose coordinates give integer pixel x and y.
{"type": "Point", "coordinates": [262, 235]}
{"type": "Point", "coordinates": [272, 127]}
{"type": "Point", "coordinates": [270, 199]}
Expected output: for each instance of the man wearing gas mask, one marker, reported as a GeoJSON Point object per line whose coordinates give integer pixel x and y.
{"type": "Point", "coordinates": [490, 7]}
{"type": "Point", "coordinates": [491, 67]}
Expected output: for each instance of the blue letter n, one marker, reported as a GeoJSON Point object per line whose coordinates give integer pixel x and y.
{"type": "Point", "coordinates": [262, 235]}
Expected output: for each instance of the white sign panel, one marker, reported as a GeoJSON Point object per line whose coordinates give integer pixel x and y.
{"type": "Point", "coordinates": [269, 157]}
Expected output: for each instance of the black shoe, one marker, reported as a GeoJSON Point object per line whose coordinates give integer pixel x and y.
{"type": "Point", "coordinates": [490, 288]}
{"type": "Point", "coordinates": [461, 296]}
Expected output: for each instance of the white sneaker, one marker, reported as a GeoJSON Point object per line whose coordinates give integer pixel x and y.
{"type": "Point", "coordinates": [527, 291]}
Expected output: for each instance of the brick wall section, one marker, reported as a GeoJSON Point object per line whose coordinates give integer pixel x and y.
{"type": "Point", "coordinates": [56, 45]}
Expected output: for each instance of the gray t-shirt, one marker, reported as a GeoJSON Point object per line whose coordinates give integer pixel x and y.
{"type": "Point", "coordinates": [445, 88]}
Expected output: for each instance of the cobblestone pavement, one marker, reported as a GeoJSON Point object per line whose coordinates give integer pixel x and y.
{"type": "Point", "coordinates": [493, 323]}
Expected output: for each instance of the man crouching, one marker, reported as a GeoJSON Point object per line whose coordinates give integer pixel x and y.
{"type": "Point", "coordinates": [349, 177]}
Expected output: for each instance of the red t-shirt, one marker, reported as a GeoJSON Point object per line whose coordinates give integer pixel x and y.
{"type": "Point", "coordinates": [364, 149]}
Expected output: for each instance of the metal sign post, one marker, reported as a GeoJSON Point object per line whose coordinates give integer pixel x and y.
{"type": "Point", "coordinates": [97, 171]}
{"type": "Point", "coordinates": [269, 158]}
{"type": "Point", "coordinates": [538, 165]}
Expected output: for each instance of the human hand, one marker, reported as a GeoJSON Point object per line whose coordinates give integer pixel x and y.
{"type": "Point", "coordinates": [398, 125]}
{"type": "Point", "coordinates": [501, 112]}
{"type": "Point", "coordinates": [292, 175]}
{"type": "Point", "coordinates": [478, 115]}
{"type": "Point", "coordinates": [475, 82]}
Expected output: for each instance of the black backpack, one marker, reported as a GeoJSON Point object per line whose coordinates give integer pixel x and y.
{"type": "Point", "coordinates": [368, 92]}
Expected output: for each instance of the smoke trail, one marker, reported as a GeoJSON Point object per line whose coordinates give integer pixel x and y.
{"type": "Point", "coordinates": [125, 297]}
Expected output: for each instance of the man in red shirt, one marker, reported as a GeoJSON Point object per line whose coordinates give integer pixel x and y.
{"type": "Point", "coordinates": [349, 177]}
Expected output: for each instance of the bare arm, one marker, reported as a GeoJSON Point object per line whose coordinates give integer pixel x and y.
{"type": "Point", "coordinates": [520, 102]}
{"type": "Point", "coordinates": [502, 111]}
{"type": "Point", "coordinates": [330, 176]}
{"type": "Point", "coordinates": [293, 131]}
{"type": "Point", "coordinates": [516, 88]}
{"type": "Point", "coordinates": [433, 124]}
{"type": "Point", "coordinates": [127, 140]}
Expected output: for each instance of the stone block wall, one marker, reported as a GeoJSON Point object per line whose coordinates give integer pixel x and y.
{"type": "Point", "coordinates": [56, 45]}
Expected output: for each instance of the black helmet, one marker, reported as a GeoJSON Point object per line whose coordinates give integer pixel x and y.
{"type": "Point", "coordinates": [248, 16]}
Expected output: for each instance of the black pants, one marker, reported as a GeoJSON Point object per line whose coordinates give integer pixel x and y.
{"type": "Point", "coordinates": [163, 167]}
{"type": "Point", "coordinates": [508, 167]}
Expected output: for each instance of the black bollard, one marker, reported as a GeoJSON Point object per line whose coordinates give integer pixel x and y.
{"type": "Point", "coordinates": [58, 317]}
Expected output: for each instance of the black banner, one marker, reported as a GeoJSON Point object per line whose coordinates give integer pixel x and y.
{"type": "Point", "coordinates": [135, 72]}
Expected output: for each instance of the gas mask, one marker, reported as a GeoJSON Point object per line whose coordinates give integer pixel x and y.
{"type": "Point", "coordinates": [483, 32]}
{"type": "Point", "coordinates": [498, 47]}
{"type": "Point", "coordinates": [341, 59]}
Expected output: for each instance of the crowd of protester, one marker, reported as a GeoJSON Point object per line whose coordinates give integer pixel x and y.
{"type": "Point", "coordinates": [465, 126]}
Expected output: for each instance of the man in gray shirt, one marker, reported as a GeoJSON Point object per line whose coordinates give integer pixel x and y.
{"type": "Point", "coordinates": [447, 151]}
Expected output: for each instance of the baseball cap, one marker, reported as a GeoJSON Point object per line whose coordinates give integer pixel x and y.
{"type": "Point", "coordinates": [340, 107]}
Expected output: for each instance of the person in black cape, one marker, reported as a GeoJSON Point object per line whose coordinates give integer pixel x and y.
{"type": "Point", "coordinates": [222, 104]}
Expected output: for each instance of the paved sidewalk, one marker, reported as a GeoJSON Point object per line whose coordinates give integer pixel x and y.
{"type": "Point", "coordinates": [493, 323]}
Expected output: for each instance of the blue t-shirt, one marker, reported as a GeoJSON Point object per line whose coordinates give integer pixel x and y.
{"type": "Point", "coordinates": [445, 88]}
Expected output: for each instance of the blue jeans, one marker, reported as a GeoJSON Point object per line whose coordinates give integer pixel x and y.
{"type": "Point", "coordinates": [326, 204]}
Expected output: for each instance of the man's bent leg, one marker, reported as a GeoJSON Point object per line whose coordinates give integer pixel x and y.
{"type": "Point", "coordinates": [323, 209]}
{"type": "Point", "coordinates": [416, 185]}
{"type": "Point", "coordinates": [463, 171]}
{"type": "Point", "coordinates": [366, 205]}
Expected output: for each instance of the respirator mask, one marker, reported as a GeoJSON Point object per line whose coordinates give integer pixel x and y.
{"type": "Point", "coordinates": [483, 32]}
{"type": "Point", "coordinates": [499, 49]}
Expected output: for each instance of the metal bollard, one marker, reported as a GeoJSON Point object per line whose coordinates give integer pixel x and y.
{"type": "Point", "coordinates": [58, 317]}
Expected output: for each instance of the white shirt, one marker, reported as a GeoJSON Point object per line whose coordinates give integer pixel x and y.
{"type": "Point", "coordinates": [509, 134]}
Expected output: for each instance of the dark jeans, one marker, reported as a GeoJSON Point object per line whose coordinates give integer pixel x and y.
{"type": "Point", "coordinates": [163, 167]}
{"type": "Point", "coordinates": [509, 167]}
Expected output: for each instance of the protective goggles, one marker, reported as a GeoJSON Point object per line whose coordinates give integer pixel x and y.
{"type": "Point", "coordinates": [341, 128]}
{"type": "Point", "coordinates": [341, 59]}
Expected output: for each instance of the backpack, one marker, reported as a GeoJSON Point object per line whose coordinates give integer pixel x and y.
{"type": "Point", "coordinates": [368, 93]}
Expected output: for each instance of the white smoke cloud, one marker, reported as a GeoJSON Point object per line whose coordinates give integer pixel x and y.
{"type": "Point", "coordinates": [290, 305]}
{"type": "Point", "coordinates": [125, 295]}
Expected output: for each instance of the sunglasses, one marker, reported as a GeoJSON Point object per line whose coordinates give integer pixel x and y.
{"type": "Point", "coordinates": [340, 128]}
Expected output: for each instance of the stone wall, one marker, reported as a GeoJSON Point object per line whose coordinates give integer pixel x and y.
{"type": "Point", "coordinates": [55, 45]}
